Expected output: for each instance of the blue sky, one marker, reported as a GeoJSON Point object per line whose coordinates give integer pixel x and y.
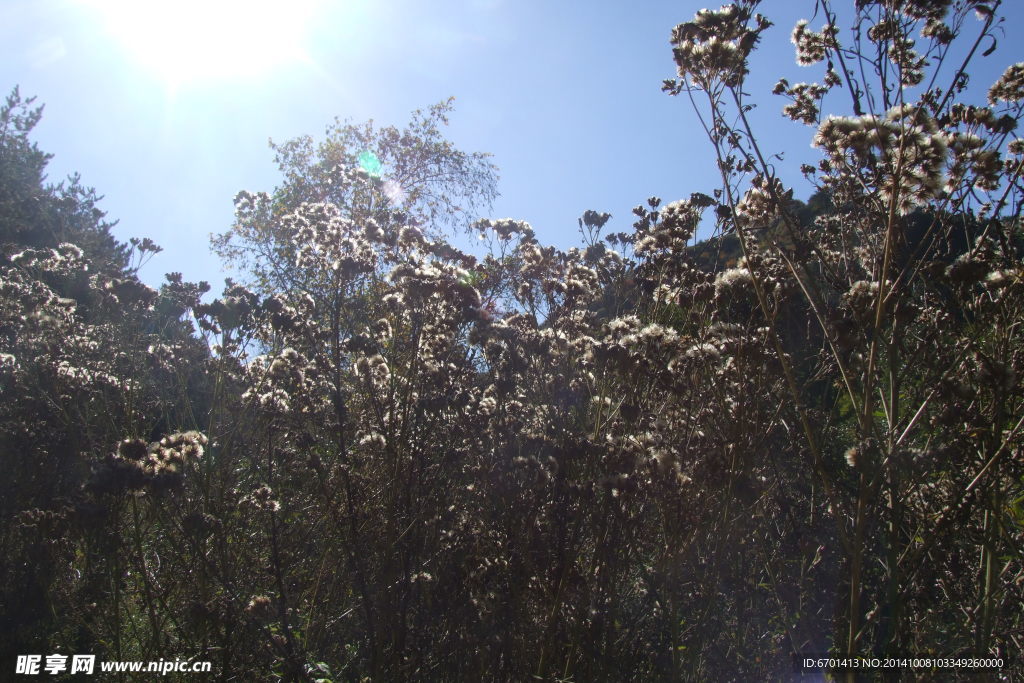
{"type": "Point", "coordinates": [565, 95]}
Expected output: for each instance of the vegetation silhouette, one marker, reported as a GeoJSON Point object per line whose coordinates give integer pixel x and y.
{"type": "Point", "coordinates": [378, 457]}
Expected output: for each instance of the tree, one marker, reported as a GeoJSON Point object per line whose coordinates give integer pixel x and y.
{"type": "Point", "coordinates": [34, 214]}
{"type": "Point", "coordinates": [89, 357]}
{"type": "Point", "coordinates": [415, 171]}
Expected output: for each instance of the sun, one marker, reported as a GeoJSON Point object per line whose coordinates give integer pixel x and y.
{"type": "Point", "coordinates": [190, 40]}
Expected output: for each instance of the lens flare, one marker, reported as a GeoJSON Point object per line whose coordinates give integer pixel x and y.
{"type": "Point", "coordinates": [369, 162]}
{"type": "Point", "coordinates": [394, 192]}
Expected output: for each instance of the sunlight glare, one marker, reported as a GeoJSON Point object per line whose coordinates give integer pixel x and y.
{"type": "Point", "coordinates": [369, 162]}
{"type": "Point", "coordinates": [189, 40]}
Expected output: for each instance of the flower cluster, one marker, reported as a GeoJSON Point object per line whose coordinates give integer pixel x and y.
{"type": "Point", "coordinates": [760, 204]}
{"type": "Point", "coordinates": [505, 228]}
{"type": "Point", "coordinates": [282, 383]}
{"type": "Point", "coordinates": [1010, 86]}
{"type": "Point", "coordinates": [261, 498]}
{"type": "Point", "coordinates": [812, 47]}
{"type": "Point", "coordinates": [903, 154]}
{"type": "Point", "coordinates": [671, 234]}
{"type": "Point", "coordinates": [140, 468]}
{"type": "Point", "coordinates": [327, 242]}
{"type": "Point", "coordinates": [714, 46]}
{"type": "Point", "coordinates": [806, 97]}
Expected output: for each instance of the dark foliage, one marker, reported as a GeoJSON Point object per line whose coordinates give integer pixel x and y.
{"type": "Point", "coordinates": [641, 459]}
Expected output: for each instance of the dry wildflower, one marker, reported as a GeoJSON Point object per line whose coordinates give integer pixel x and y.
{"type": "Point", "coordinates": [812, 47]}
{"type": "Point", "coordinates": [373, 440]}
{"type": "Point", "coordinates": [739, 277]}
{"type": "Point", "coordinates": [262, 498]}
{"type": "Point", "coordinates": [260, 608]}
{"type": "Point", "coordinates": [714, 46]}
{"type": "Point", "coordinates": [760, 204]}
{"type": "Point", "coordinates": [505, 228]}
{"type": "Point", "coordinates": [132, 449]}
{"type": "Point", "coordinates": [903, 154]}
{"type": "Point", "coordinates": [382, 329]}
{"type": "Point", "coordinates": [1010, 86]}
{"type": "Point", "coordinates": [806, 98]}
